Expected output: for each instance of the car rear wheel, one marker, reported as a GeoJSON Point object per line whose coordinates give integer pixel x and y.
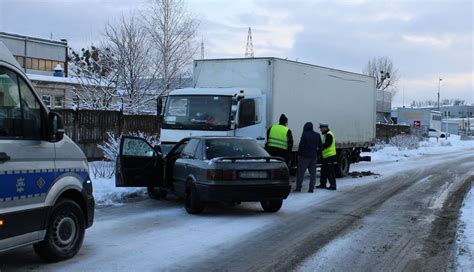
{"type": "Point", "coordinates": [271, 206]}
{"type": "Point", "coordinates": [64, 232]}
{"type": "Point", "coordinates": [191, 201]}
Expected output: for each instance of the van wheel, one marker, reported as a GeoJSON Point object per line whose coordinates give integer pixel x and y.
{"type": "Point", "coordinates": [191, 201]}
{"type": "Point", "coordinates": [64, 232]}
{"type": "Point", "coordinates": [271, 206]}
{"type": "Point", "coordinates": [156, 193]}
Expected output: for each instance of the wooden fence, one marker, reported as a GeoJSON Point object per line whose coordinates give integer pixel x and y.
{"type": "Point", "coordinates": [89, 127]}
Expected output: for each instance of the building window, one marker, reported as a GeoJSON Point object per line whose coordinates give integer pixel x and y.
{"type": "Point", "coordinates": [42, 65]}
{"type": "Point", "coordinates": [34, 64]}
{"type": "Point", "coordinates": [58, 101]}
{"type": "Point", "coordinates": [28, 63]}
{"type": "Point", "coordinates": [49, 65]}
{"type": "Point", "coordinates": [47, 100]}
{"type": "Point", "coordinates": [21, 60]}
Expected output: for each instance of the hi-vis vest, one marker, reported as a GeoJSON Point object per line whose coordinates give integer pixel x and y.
{"type": "Point", "coordinates": [331, 150]}
{"type": "Point", "coordinates": [277, 137]}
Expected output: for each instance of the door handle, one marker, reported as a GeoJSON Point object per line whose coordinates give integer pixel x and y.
{"type": "Point", "coordinates": [4, 157]}
{"type": "Point", "coordinates": [260, 138]}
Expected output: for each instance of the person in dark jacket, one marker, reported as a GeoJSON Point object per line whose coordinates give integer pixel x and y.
{"type": "Point", "coordinates": [308, 150]}
{"type": "Point", "coordinates": [280, 140]}
{"type": "Point", "coordinates": [328, 151]}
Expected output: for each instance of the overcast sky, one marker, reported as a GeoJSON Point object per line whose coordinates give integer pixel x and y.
{"type": "Point", "coordinates": [426, 39]}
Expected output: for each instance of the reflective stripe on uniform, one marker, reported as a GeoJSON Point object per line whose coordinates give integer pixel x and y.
{"type": "Point", "coordinates": [278, 137]}
{"type": "Point", "coordinates": [331, 150]}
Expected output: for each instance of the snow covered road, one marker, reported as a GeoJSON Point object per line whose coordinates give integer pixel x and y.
{"type": "Point", "coordinates": [404, 219]}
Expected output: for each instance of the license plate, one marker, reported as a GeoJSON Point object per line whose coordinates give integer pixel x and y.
{"type": "Point", "coordinates": [253, 174]}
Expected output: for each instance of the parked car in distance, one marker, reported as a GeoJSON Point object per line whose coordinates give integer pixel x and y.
{"type": "Point", "coordinates": [433, 132]}
{"type": "Point", "coordinates": [205, 169]}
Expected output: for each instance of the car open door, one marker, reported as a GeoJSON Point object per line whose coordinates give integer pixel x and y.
{"type": "Point", "coordinates": [138, 164]}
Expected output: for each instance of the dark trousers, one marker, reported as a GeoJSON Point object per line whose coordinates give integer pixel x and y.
{"type": "Point", "coordinates": [303, 164]}
{"type": "Point", "coordinates": [278, 152]}
{"type": "Point", "coordinates": [327, 172]}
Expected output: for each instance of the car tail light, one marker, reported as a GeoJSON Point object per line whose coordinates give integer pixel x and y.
{"type": "Point", "coordinates": [280, 174]}
{"type": "Point", "coordinates": [219, 174]}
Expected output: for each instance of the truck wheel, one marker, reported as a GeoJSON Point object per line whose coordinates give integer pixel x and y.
{"type": "Point", "coordinates": [271, 206]}
{"type": "Point", "coordinates": [64, 232]}
{"type": "Point", "coordinates": [191, 201]}
{"type": "Point", "coordinates": [156, 193]}
{"type": "Point", "coordinates": [343, 164]}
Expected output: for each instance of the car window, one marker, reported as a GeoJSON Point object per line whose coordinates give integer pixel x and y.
{"type": "Point", "coordinates": [232, 147]}
{"type": "Point", "coordinates": [20, 111]}
{"type": "Point", "coordinates": [137, 148]}
{"type": "Point", "coordinates": [199, 154]}
{"type": "Point", "coordinates": [179, 148]}
{"type": "Point", "coordinates": [190, 148]}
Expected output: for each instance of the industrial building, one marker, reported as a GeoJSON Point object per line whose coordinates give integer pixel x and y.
{"type": "Point", "coordinates": [419, 118]}
{"type": "Point", "coordinates": [35, 55]}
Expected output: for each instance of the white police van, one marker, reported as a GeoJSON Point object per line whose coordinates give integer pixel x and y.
{"type": "Point", "coordinates": [45, 191]}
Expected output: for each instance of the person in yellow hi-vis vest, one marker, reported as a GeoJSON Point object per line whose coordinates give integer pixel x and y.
{"type": "Point", "coordinates": [280, 140]}
{"type": "Point", "coordinates": [329, 158]}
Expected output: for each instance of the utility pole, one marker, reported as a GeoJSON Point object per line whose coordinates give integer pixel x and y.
{"type": "Point", "coordinates": [249, 47]}
{"type": "Point", "coordinates": [439, 89]}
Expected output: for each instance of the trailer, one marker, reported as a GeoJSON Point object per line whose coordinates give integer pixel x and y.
{"type": "Point", "coordinates": [251, 94]}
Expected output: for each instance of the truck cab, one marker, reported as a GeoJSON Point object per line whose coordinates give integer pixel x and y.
{"type": "Point", "coordinates": [213, 111]}
{"type": "Point", "coordinates": [45, 191]}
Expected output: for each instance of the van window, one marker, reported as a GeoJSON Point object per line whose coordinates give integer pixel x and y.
{"type": "Point", "coordinates": [249, 112]}
{"type": "Point", "coordinates": [20, 115]}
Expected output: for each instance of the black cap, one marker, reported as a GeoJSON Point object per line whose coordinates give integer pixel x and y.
{"type": "Point", "coordinates": [283, 119]}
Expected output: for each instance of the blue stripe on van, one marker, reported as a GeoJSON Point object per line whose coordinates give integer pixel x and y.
{"type": "Point", "coordinates": [32, 183]}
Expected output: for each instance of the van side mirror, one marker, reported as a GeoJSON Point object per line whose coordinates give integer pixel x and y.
{"type": "Point", "coordinates": [55, 127]}
{"type": "Point", "coordinates": [159, 106]}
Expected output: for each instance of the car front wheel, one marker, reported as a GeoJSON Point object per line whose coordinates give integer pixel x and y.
{"type": "Point", "coordinates": [64, 232]}
{"type": "Point", "coordinates": [271, 206]}
{"type": "Point", "coordinates": [191, 201]}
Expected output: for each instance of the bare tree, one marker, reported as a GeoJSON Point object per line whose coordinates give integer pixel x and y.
{"type": "Point", "coordinates": [135, 73]}
{"type": "Point", "coordinates": [94, 68]}
{"type": "Point", "coordinates": [172, 30]}
{"type": "Point", "coordinates": [385, 74]}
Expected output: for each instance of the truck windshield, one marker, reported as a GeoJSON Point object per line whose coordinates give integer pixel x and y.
{"type": "Point", "coordinates": [199, 112]}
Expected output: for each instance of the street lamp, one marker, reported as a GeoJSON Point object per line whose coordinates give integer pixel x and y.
{"type": "Point", "coordinates": [439, 89]}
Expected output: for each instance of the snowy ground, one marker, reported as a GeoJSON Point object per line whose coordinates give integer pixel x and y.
{"type": "Point", "coordinates": [465, 241]}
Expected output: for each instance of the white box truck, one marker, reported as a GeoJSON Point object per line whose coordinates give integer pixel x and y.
{"type": "Point", "coordinates": [245, 96]}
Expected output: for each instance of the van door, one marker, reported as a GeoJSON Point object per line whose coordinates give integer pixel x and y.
{"type": "Point", "coordinates": [138, 164]}
{"type": "Point", "coordinates": [27, 167]}
{"type": "Point", "coordinates": [251, 119]}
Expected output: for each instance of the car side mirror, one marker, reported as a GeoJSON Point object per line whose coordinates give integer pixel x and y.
{"type": "Point", "coordinates": [55, 127]}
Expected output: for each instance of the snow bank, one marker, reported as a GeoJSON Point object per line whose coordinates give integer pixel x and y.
{"type": "Point", "coordinates": [105, 192]}
{"type": "Point", "coordinates": [465, 241]}
{"type": "Point", "coordinates": [391, 152]}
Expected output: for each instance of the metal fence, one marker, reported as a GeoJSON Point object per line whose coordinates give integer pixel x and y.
{"type": "Point", "coordinates": [89, 127]}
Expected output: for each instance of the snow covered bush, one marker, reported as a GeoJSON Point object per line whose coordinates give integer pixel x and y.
{"type": "Point", "coordinates": [378, 145]}
{"type": "Point", "coordinates": [111, 146]}
{"type": "Point", "coordinates": [103, 169]}
{"type": "Point", "coordinates": [403, 142]}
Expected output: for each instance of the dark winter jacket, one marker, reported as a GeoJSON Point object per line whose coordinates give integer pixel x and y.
{"type": "Point", "coordinates": [310, 143]}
